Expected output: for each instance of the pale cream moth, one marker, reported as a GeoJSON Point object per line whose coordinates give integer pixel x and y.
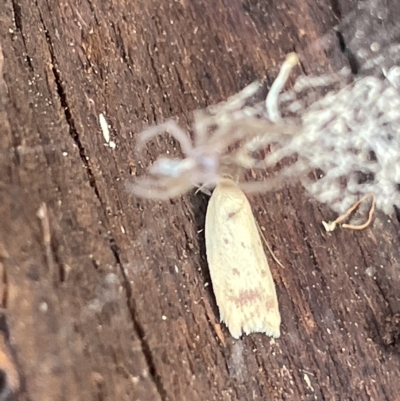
{"type": "Point", "coordinates": [243, 285]}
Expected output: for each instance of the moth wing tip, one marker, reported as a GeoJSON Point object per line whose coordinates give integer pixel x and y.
{"type": "Point", "coordinates": [268, 329]}
{"type": "Point", "coordinates": [268, 326]}
{"type": "Point", "coordinates": [274, 333]}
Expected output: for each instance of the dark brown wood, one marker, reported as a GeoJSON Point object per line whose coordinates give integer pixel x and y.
{"type": "Point", "coordinates": [114, 305]}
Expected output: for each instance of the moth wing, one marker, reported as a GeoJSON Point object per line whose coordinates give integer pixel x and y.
{"type": "Point", "coordinates": [243, 285]}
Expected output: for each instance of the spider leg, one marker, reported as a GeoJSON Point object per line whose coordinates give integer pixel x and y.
{"type": "Point", "coordinates": [272, 158]}
{"type": "Point", "coordinates": [201, 125]}
{"type": "Point", "coordinates": [152, 188]}
{"type": "Point", "coordinates": [172, 128]}
{"type": "Point", "coordinates": [237, 101]}
{"type": "Point", "coordinates": [272, 184]}
{"type": "Point", "coordinates": [247, 128]}
{"type": "Point", "coordinates": [265, 132]}
{"type": "Point", "coordinates": [243, 156]}
{"type": "Point", "coordinates": [272, 102]}
{"type": "Point", "coordinates": [222, 113]}
{"type": "Point", "coordinates": [224, 129]}
{"type": "Point", "coordinates": [256, 133]}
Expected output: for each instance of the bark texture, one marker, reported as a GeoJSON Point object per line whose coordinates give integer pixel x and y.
{"type": "Point", "coordinates": [103, 295]}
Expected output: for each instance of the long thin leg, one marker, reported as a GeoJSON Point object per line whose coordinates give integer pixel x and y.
{"type": "Point", "coordinates": [273, 158]}
{"type": "Point", "coordinates": [170, 127]}
{"type": "Point", "coordinates": [244, 154]}
{"type": "Point", "coordinates": [272, 98]}
{"type": "Point", "coordinates": [272, 184]}
{"type": "Point", "coordinates": [222, 113]}
{"type": "Point", "coordinates": [154, 189]}
{"type": "Point", "coordinates": [248, 128]}
{"type": "Point", "coordinates": [236, 101]}
{"type": "Point", "coordinates": [202, 122]}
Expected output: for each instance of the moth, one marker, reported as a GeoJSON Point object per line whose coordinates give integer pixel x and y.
{"type": "Point", "coordinates": [243, 285]}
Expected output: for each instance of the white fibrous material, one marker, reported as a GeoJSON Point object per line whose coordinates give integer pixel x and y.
{"type": "Point", "coordinates": [352, 137]}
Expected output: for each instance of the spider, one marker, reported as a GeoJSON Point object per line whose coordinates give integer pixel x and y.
{"type": "Point", "coordinates": [225, 136]}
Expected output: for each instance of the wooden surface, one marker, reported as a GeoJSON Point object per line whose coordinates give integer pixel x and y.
{"type": "Point", "coordinates": [116, 304]}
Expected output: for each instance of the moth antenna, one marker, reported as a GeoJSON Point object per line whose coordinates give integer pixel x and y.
{"type": "Point", "coordinates": [269, 248]}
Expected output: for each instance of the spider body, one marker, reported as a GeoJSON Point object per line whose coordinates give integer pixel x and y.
{"type": "Point", "coordinates": [200, 167]}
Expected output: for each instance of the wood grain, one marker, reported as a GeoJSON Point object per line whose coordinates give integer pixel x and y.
{"type": "Point", "coordinates": [121, 310]}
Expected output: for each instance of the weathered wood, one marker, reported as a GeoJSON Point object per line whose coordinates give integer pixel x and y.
{"type": "Point", "coordinates": [114, 305]}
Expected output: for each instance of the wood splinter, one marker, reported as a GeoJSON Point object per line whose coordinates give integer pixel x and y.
{"type": "Point", "coordinates": [331, 226]}
{"type": "Point", "coordinates": [43, 216]}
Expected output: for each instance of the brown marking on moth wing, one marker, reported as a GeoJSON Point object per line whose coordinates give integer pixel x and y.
{"type": "Point", "coordinates": [226, 241]}
{"type": "Point", "coordinates": [246, 297]}
{"type": "Point", "coordinates": [235, 272]}
{"type": "Point", "coordinates": [243, 244]}
{"type": "Point", "coordinates": [264, 273]}
{"type": "Point", "coordinates": [270, 303]}
{"type": "Point", "coordinates": [232, 214]}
